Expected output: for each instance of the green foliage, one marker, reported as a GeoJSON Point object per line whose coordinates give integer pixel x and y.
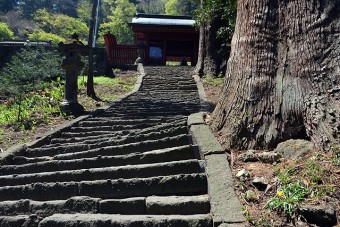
{"type": "Point", "coordinates": [5, 32]}
{"type": "Point", "coordinates": [121, 14]}
{"type": "Point", "coordinates": [84, 11]}
{"type": "Point", "coordinates": [171, 7]}
{"type": "Point", "coordinates": [152, 6]}
{"type": "Point", "coordinates": [225, 10]}
{"type": "Point", "coordinates": [177, 7]}
{"type": "Point", "coordinates": [63, 25]}
{"type": "Point", "coordinates": [44, 36]}
{"type": "Point", "coordinates": [34, 108]}
{"type": "Point", "coordinates": [26, 71]}
{"type": "Point", "coordinates": [29, 7]}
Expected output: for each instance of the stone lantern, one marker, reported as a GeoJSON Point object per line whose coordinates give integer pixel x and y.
{"type": "Point", "coordinates": [72, 65]}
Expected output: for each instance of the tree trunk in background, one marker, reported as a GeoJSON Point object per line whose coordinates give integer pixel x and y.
{"type": "Point", "coordinates": [208, 63]}
{"type": "Point", "coordinates": [201, 45]}
{"type": "Point", "coordinates": [212, 45]}
{"type": "Point", "coordinates": [90, 86]}
{"type": "Point", "coordinates": [282, 79]}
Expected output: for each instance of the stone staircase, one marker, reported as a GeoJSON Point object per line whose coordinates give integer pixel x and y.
{"type": "Point", "coordinates": [134, 164]}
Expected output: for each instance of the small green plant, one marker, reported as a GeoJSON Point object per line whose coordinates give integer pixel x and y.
{"type": "Point", "coordinates": [288, 199]}
{"type": "Point", "coordinates": [292, 192]}
{"type": "Point", "coordinates": [313, 171]}
{"type": "Point", "coordinates": [336, 155]}
{"type": "Point", "coordinates": [2, 133]}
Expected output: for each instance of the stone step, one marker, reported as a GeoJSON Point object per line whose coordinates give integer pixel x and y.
{"type": "Point", "coordinates": [19, 221]}
{"type": "Point", "coordinates": [111, 141]}
{"type": "Point", "coordinates": [155, 156]}
{"type": "Point", "coordinates": [106, 220]}
{"type": "Point", "coordinates": [96, 133]}
{"type": "Point", "coordinates": [125, 149]}
{"type": "Point", "coordinates": [126, 172]}
{"type": "Point", "coordinates": [110, 122]}
{"type": "Point", "coordinates": [141, 113]}
{"type": "Point", "coordinates": [179, 185]}
{"type": "Point", "coordinates": [110, 128]}
{"type": "Point", "coordinates": [123, 132]}
{"type": "Point", "coordinates": [90, 150]}
{"type": "Point", "coordinates": [152, 205]}
{"type": "Point", "coordinates": [167, 119]}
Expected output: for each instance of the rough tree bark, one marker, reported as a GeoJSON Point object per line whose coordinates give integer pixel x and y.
{"type": "Point", "coordinates": [201, 54]}
{"type": "Point", "coordinates": [283, 76]}
{"type": "Point", "coordinates": [208, 62]}
{"type": "Point", "coordinates": [212, 45]}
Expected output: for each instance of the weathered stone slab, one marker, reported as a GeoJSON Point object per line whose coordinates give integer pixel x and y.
{"type": "Point", "coordinates": [105, 220]}
{"type": "Point", "coordinates": [205, 140]}
{"type": "Point", "coordinates": [196, 119]}
{"type": "Point", "coordinates": [225, 206]}
{"type": "Point", "coordinates": [178, 205]}
{"type": "Point", "coordinates": [123, 206]}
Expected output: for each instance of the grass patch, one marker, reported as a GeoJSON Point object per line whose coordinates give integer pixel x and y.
{"type": "Point", "coordinates": [217, 82]}
{"type": "Point", "coordinates": [309, 180]}
{"type": "Point", "coordinates": [107, 89]}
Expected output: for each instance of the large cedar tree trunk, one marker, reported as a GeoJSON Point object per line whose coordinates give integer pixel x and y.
{"type": "Point", "coordinates": [283, 75]}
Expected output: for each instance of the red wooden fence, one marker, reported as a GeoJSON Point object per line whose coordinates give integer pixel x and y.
{"type": "Point", "coordinates": [119, 54]}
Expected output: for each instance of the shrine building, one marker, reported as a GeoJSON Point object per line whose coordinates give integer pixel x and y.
{"type": "Point", "coordinates": [166, 38]}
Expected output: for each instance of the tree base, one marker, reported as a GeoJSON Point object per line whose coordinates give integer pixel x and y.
{"type": "Point", "coordinates": [71, 108]}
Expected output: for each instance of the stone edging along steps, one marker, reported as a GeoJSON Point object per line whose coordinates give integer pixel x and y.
{"type": "Point", "coordinates": [144, 161]}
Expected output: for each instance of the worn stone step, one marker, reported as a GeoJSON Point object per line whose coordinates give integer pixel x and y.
{"type": "Point", "coordinates": [123, 132]}
{"type": "Point", "coordinates": [96, 133]}
{"type": "Point", "coordinates": [106, 220]}
{"type": "Point", "coordinates": [155, 156]}
{"type": "Point", "coordinates": [110, 122]}
{"type": "Point", "coordinates": [185, 205]}
{"type": "Point", "coordinates": [148, 113]}
{"type": "Point", "coordinates": [126, 172]}
{"type": "Point", "coordinates": [110, 128]}
{"type": "Point", "coordinates": [19, 221]}
{"type": "Point", "coordinates": [178, 204]}
{"type": "Point", "coordinates": [184, 184]}
{"type": "Point", "coordinates": [104, 148]}
{"type": "Point", "coordinates": [110, 141]}
{"type": "Point", "coordinates": [125, 149]}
